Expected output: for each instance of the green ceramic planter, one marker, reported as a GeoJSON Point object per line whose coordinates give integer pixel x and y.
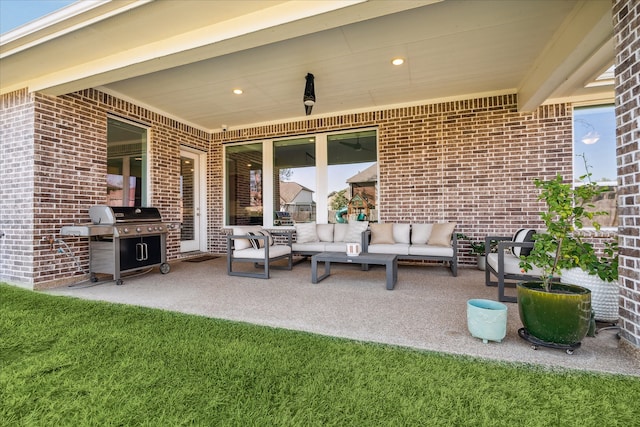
{"type": "Point", "coordinates": [561, 316]}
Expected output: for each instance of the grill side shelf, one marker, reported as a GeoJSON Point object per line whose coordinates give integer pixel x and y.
{"type": "Point", "coordinates": [86, 230]}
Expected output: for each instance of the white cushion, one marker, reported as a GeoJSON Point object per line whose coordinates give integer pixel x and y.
{"type": "Point", "coordinates": [325, 232]}
{"type": "Point", "coordinates": [396, 248]}
{"type": "Point", "coordinates": [420, 233]}
{"type": "Point", "coordinates": [340, 232]}
{"type": "Point", "coordinates": [354, 233]}
{"type": "Point", "coordinates": [335, 247]}
{"type": "Point", "coordinates": [310, 247]}
{"type": "Point", "coordinates": [430, 250]}
{"type": "Point", "coordinates": [401, 233]}
{"type": "Point", "coordinates": [441, 234]}
{"type": "Point", "coordinates": [240, 230]}
{"type": "Point", "coordinates": [274, 251]}
{"type": "Point", "coordinates": [306, 232]}
{"type": "Point", "coordinates": [511, 265]}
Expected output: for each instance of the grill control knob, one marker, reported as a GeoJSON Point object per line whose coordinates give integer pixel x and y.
{"type": "Point", "coordinates": [138, 229]}
{"type": "Point", "coordinates": [150, 228]}
{"type": "Point", "coordinates": [125, 230]}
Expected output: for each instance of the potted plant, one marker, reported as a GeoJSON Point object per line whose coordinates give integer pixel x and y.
{"type": "Point", "coordinates": [558, 314]}
{"type": "Point", "coordinates": [477, 249]}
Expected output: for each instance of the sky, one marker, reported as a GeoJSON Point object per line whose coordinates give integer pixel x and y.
{"type": "Point", "coordinates": [14, 13]}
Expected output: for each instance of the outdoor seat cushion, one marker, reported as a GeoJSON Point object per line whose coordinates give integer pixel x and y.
{"type": "Point", "coordinates": [511, 265]}
{"type": "Point", "coordinates": [429, 250]}
{"type": "Point", "coordinates": [396, 248]}
{"type": "Point", "coordinates": [335, 247]}
{"type": "Point", "coordinates": [309, 247]}
{"type": "Point", "coordinates": [251, 253]}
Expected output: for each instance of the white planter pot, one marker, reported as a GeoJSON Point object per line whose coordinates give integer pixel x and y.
{"type": "Point", "coordinates": [482, 262]}
{"type": "Point", "coordinates": [604, 295]}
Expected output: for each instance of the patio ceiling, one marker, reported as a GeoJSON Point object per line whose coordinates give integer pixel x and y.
{"type": "Point", "coordinates": [184, 58]}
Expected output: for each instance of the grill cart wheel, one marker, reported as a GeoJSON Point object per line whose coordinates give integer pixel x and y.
{"type": "Point", "coordinates": [165, 268]}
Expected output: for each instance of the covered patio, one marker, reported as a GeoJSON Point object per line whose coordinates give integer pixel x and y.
{"type": "Point", "coordinates": [426, 310]}
{"type": "Point", "coordinates": [482, 104]}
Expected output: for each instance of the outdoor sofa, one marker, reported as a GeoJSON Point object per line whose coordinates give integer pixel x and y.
{"type": "Point", "coordinates": [425, 242]}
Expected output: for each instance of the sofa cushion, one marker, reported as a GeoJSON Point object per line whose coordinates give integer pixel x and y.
{"type": "Point", "coordinates": [441, 234]}
{"type": "Point", "coordinates": [310, 247]}
{"type": "Point", "coordinates": [512, 265]}
{"type": "Point", "coordinates": [430, 250]}
{"type": "Point", "coordinates": [396, 249]}
{"type": "Point", "coordinates": [521, 236]}
{"type": "Point", "coordinates": [402, 233]}
{"type": "Point", "coordinates": [251, 253]}
{"type": "Point", "coordinates": [340, 232]}
{"type": "Point", "coordinates": [335, 247]}
{"type": "Point", "coordinates": [306, 232]}
{"type": "Point", "coordinates": [382, 234]}
{"type": "Point", "coordinates": [420, 233]}
{"type": "Point", "coordinates": [354, 233]}
{"type": "Point", "coordinates": [325, 232]}
{"type": "Point", "coordinates": [240, 244]}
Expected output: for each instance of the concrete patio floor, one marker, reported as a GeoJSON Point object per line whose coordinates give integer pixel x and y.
{"type": "Point", "coordinates": [426, 310]}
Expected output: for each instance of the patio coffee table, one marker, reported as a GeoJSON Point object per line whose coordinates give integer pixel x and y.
{"type": "Point", "coordinates": [364, 259]}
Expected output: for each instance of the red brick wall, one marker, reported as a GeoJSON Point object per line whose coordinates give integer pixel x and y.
{"type": "Point", "coordinates": [54, 152]}
{"type": "Point", "coordinates": [626, 22]}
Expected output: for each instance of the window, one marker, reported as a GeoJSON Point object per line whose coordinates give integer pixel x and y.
{"type": "Point", "coordinates": [243, 178]}
{"type": "Point", "coordinates": [322, 178]}
{"type": "Point", "coordinates": [126, 164]}
{"type": "Point", "coordinates": [594, 145]}
{"type": "Point", "coordinates": [294, 175]}
{"type": "Point", "coordinates": [353, 176]}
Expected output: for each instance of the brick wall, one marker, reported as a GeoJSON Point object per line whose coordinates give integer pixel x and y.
{"type": "Point", "coordinates": [54, 152]}
{"type": "Point", "coordinates": [470, 161]}
{"type": "Point", "coordinates": [626, 22]}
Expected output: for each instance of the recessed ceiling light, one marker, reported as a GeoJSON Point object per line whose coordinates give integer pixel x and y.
{"type": "Point", "coordinates": [237, 91]}
{"type": "Point", "coordinates": [397, 61]}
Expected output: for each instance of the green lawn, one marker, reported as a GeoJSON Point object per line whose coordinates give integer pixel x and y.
{"type": "Point", "coordinates": [66, 361]}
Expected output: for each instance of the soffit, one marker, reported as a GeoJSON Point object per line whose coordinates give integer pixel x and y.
{"type": "Point", "coordinates": [453, 49]}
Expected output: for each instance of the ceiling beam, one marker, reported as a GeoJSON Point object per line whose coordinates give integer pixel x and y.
{"type": "Point", "coordinates": [580, 38]}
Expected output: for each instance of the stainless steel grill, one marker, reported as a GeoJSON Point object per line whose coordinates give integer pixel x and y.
{"type": "Point", "coordinates": [123, 239]}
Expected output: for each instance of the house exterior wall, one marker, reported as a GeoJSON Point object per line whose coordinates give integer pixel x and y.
{"type": "Point", "coordinates": [471, 161]}
{"type": "Point", "coordinates": [54, 152]}
{"type": "Point", "coordinates": [626, 22]}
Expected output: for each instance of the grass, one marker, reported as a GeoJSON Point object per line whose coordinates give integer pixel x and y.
{"type": "Point", "coordinates": [70, 362]}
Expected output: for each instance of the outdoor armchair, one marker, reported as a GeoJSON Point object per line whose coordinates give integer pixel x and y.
{"type": "Point", "coordinates": [503, 266]}
{"type": "Point", "coordinates": [253, 244]}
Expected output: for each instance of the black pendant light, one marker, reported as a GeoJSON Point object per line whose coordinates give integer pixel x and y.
{"type": "Point", "coordinates": [309, 98]}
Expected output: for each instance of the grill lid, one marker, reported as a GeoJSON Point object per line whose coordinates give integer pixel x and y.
{"type": "Point", "coordinates": [103, 214]}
